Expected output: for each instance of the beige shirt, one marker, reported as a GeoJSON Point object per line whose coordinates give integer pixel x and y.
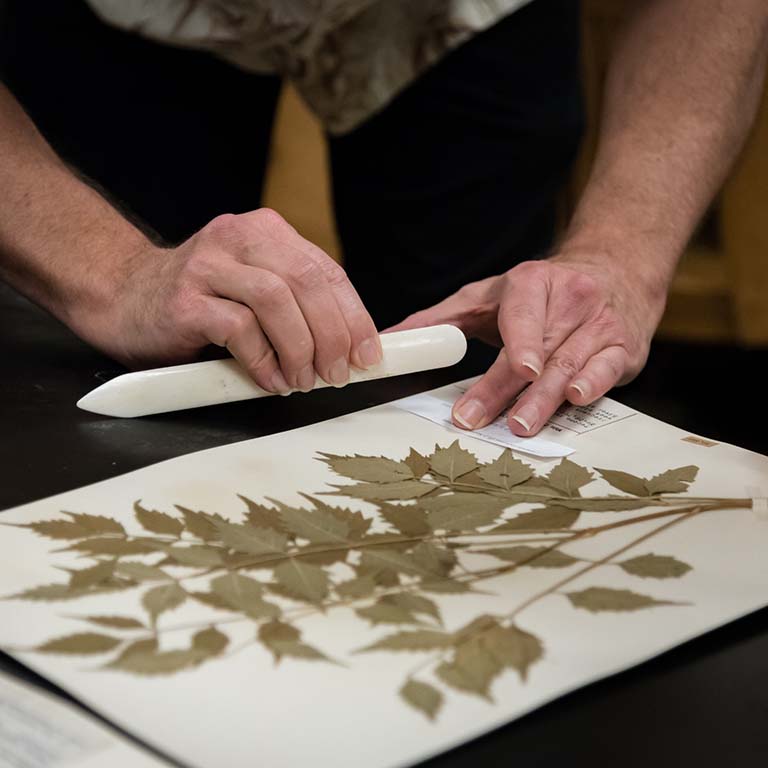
{"type": "Point", "coordinates": [348, 58]}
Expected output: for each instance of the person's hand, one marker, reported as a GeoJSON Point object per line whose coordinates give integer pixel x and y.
{"type": "Point", "coordinates": [251, 284]}
{"type": "Point", "coordinates": [572, 327]}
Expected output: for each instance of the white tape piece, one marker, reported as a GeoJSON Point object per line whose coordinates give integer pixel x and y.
{"type": "Point", "coordinates": [438, 411]}
{"type": "Point", "coordinates": [759, 502]}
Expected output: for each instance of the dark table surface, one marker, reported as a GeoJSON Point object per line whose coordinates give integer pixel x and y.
{"type": "Point", "coordinates": [704, 703]}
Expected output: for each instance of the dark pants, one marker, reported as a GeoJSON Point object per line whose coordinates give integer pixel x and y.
{"type": "Point", "coordinates": [454, 180]}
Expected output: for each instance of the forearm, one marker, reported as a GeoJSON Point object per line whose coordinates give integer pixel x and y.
{"type": "Point", "coordinates": [682, 89]}
{"type": "Point", "coordinates": [61, 243]}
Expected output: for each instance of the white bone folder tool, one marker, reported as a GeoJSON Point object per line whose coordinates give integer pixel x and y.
{"type": "Point", "coordinates": [177, 387]}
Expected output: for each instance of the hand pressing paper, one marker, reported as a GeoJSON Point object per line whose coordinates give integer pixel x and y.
{"type": "Point", "coordinates": [376, 574]}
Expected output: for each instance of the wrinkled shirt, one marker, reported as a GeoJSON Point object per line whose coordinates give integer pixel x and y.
{"type": "Point", "coordinates": [348, 58]}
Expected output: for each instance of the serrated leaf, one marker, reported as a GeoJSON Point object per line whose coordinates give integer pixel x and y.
{"type": "Point", "coordinates": [142, 572]}
{"type": "Point", "coordinates": [88, 577]}
{"type": "Point", "coordinates": [252, 541]}
{"type": "Point", "coordinates": [360, 586]}
{"type": "Point", "coordinates": [212, 600]}
{"type": "Point", "coordinates": [598, 599]}
{"type": "Point", "coordinates": [210, 641]}
{"type": "Point", "coordinates": [157, 522]}
{"type": "Point", "coordinates": [369, 469]}
{"type": "Point", "coordinates": [357, 523]}
{"type": "Point", "coordinates": [472, 669]}
{"type": "Point", "coordinates": [655, 567]}
{"type": "Point", "coordinates": [386, 613]}
{"type": "Point", "coordinates": [375, 559]}
{"type": "Point", "coordinates": [302, 581]}
{"type": "Point", "coordinates": [603, 504]}
{"type": "Point", "coordinates": [283, 639]}
{"type": "Point", "coordinates": [159, 663]}
{"type": "Point", "coordinates": [316, 525]}
{"type": "Point", "coordinates": [432, 559]}
{"type": "Point", "coordinates": [462, 511]}
{"type": "Point", "coordinates": [506, 471]}
{"type": "Point", "coordinates": [533, 557]}
{"type": "Point", "coordinates": [672, 481]}
{"type": "Point", "coordinates": [80, 643]}
{"type": "Point", "coordinates": [244, 594]}
{"type": "Point", "coordinates": [116, 547]}
{"type": "Point", "coordinates": [200, 524]}
{"type": "Point", "coordinates": [623, 481]}
{"type": "Point", "coordinates": [322, 554]}
{"type": "Point", "coordinates": [415, 604]}
{"type": "Point", "coordinates": [115, 622]}
{"type": "Point", "coordinates": [96, 524]}
{"type": "Point", "coordinates": [452, 462]}
{"type": "Point", "coordinates": [513, 647]}
{"type": "Point", "coordinates": [545, 519]}
{"type": "Point", "coordinates": [418, 464]}
{"type": "Point", "coordinates": [54, 592]}
{"type": "Point", "coordinates": [418, 640]}
{"type": "Point", "coordinates": [408, 519]}
{"type": "Point", "coordinates": [196, 556]}
{"type": "Point", "coordinates": [568, 477]}
{"type": "Point", "coordinates": [57, 529]}
{"type": "Point", "coordinates": [260, 516]}
{"type": "Point", "coordinates": [164, 598]}
{"type": "Point", "coordinates": [422, 696]}
{"type": "Point", "coordinates": [400, 491]}
{"type": "Point", "coordinates": [445, 586]}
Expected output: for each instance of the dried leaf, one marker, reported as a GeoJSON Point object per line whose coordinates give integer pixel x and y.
{"type": "Point", "coordinates": [52, 592]}
{"type": "Point", "coordinates": [260, 516]}
{"type": "Point", "coordinates": [164, 598]}
{"type": "Point", "coordinates": [375, 559]}
{"type": "Point", "coordinates": [472, 669]}
{"type": "Point", "coordinates": [415, 604]}
{"type": "Point", "coordinates": [513, 647]}
{"type": "Point", "coordinates": [625, 482]}
{"type": "Point", "coordinates": [506, 471]}
{"type": "Point", "coordinates": [423, 697]}
{"type": "Point", "coordinates": [534, 557]}
{"type": "Point", "coordinates": [200, 524]}
{"type": "Point", "coordinates": [212, 600]}
{"type": "Point", "coordinates": [357, 523]}
{"type": "Point", "coordinates": [408, 519]}
{"type": "Point", "coordinates": [369, 469]}
{"type": "Point", "coordinates": [157, 522]}
{"type": "Point", "coordinates": [386, 613]}
{"type": "Point", "coordinates": [603, 504]}
{"type": "Point", "coordinates": [96, 524]}
{"type": "Point", "coordinates": [252, 541]}
{"type": "Point", "coordinates": [322, 554]}
{"type": "Point", "coordinates": [452, 462]}
{"type": "Point", "coordinates": [419, 640]}
{"type": "Point", "coordinates": [655, 567]}
{"type": "Point", "coordinates": [400, 491]}
{"type": "Point", "coordinates": [302, 581]}
{"type": "Point", "coordinates": [360, 586]}
{"type": "Point", "coordinates": [242, 593]}
{"type": "Point", "coordinates": [58, 529]}
{"type": "Point", "coordinates": [672, 481]}
{"type": "Point", "coordinates": [597, 599]}
{"type": "Point", "coordinates": [116, 547]}
{"type": "Point", "coordinates": [435, 560]}
{"type": "Point", "coordinates": [544, 519]}
{"type": "Point", "coordinates": [282, 639]}
{"type": "Point", "coordinates": [81, 643]}
{"type": "Point", "coordinates": [115, 622]}
{"type": "Point", "coordinates": [462, 511]}
{"type": "Point", "coordinates": [96, 574]}
{"type": "Point", "coordinates": [318, 526]}
{"type": "Point", "coordinates": [142, 572]}
{"type": "Point", "coordinates": [210, 642]}
{"type": "Point", "coordinates": [196, 556]}
{"type": "Point", "coordinates": [417, 463]}
{"type": "Point", "coordinates": [445, 586]}
{"type": "Point", "coordinates": [151, 662]}
{"type": "Point", "coordinates": [568, 477]}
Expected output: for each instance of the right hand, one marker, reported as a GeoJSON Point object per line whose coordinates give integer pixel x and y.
{"type": "Point", "coordinates": [246, 282]}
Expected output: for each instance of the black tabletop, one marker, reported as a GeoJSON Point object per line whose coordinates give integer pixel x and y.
{"type": "Point", "coordinates": [704, 704]}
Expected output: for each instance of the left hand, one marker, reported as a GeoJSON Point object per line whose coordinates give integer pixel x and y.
{"type": "Point", "coordinates": [572, 327]}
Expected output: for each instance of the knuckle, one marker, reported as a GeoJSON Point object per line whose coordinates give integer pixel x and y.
{"type": "Point", "coordinates": [238, 324]}
{"type": "Point", "coordinates": [227, 226]}
{"type": "Point", "coordinates": [271, 221]}
{"type": "Point", "coordinates": [565, 364]}
{"type": "Point", "coordinates": [271, 290]}
{"type": "Point", "coordinates": [583, 288]}
{"type": "Point", "coordinates": [307, 275]}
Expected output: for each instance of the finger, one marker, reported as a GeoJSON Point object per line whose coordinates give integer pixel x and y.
{"type": "Point", "coordinates": [274, 306]}
{"type": "Point", "coordinates": [522, 321]}
{"type": "Point", "coordinates": [489, 396]}
{"type": "Point", "coordinates": [234, 326]}
{"type": "Point", "coordinates": [547, 393]}
{"type": "Point", "coordinates": [601, 373]}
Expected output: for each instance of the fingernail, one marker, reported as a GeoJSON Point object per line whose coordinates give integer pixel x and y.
{"type": "Point", "coordinates": [470, 414]}
{"type": "Point", "coordinates": [306, 378]}
{"type": "Point", "coordinates": [369, 352]}
{"type": "Point", "coordinates": [581, 387]}
{"type": "Point", "coordinates": [339, 373]}
{"type": "Point", "coordinates": [526, 417]}
{"type": "Point", "coordinates": [279, 384]}
{"type": "Point", "coordinates": [532, 364]}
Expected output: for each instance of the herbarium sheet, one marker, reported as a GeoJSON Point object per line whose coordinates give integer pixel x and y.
{"type": "Point", "coordinates": [375, 589]}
